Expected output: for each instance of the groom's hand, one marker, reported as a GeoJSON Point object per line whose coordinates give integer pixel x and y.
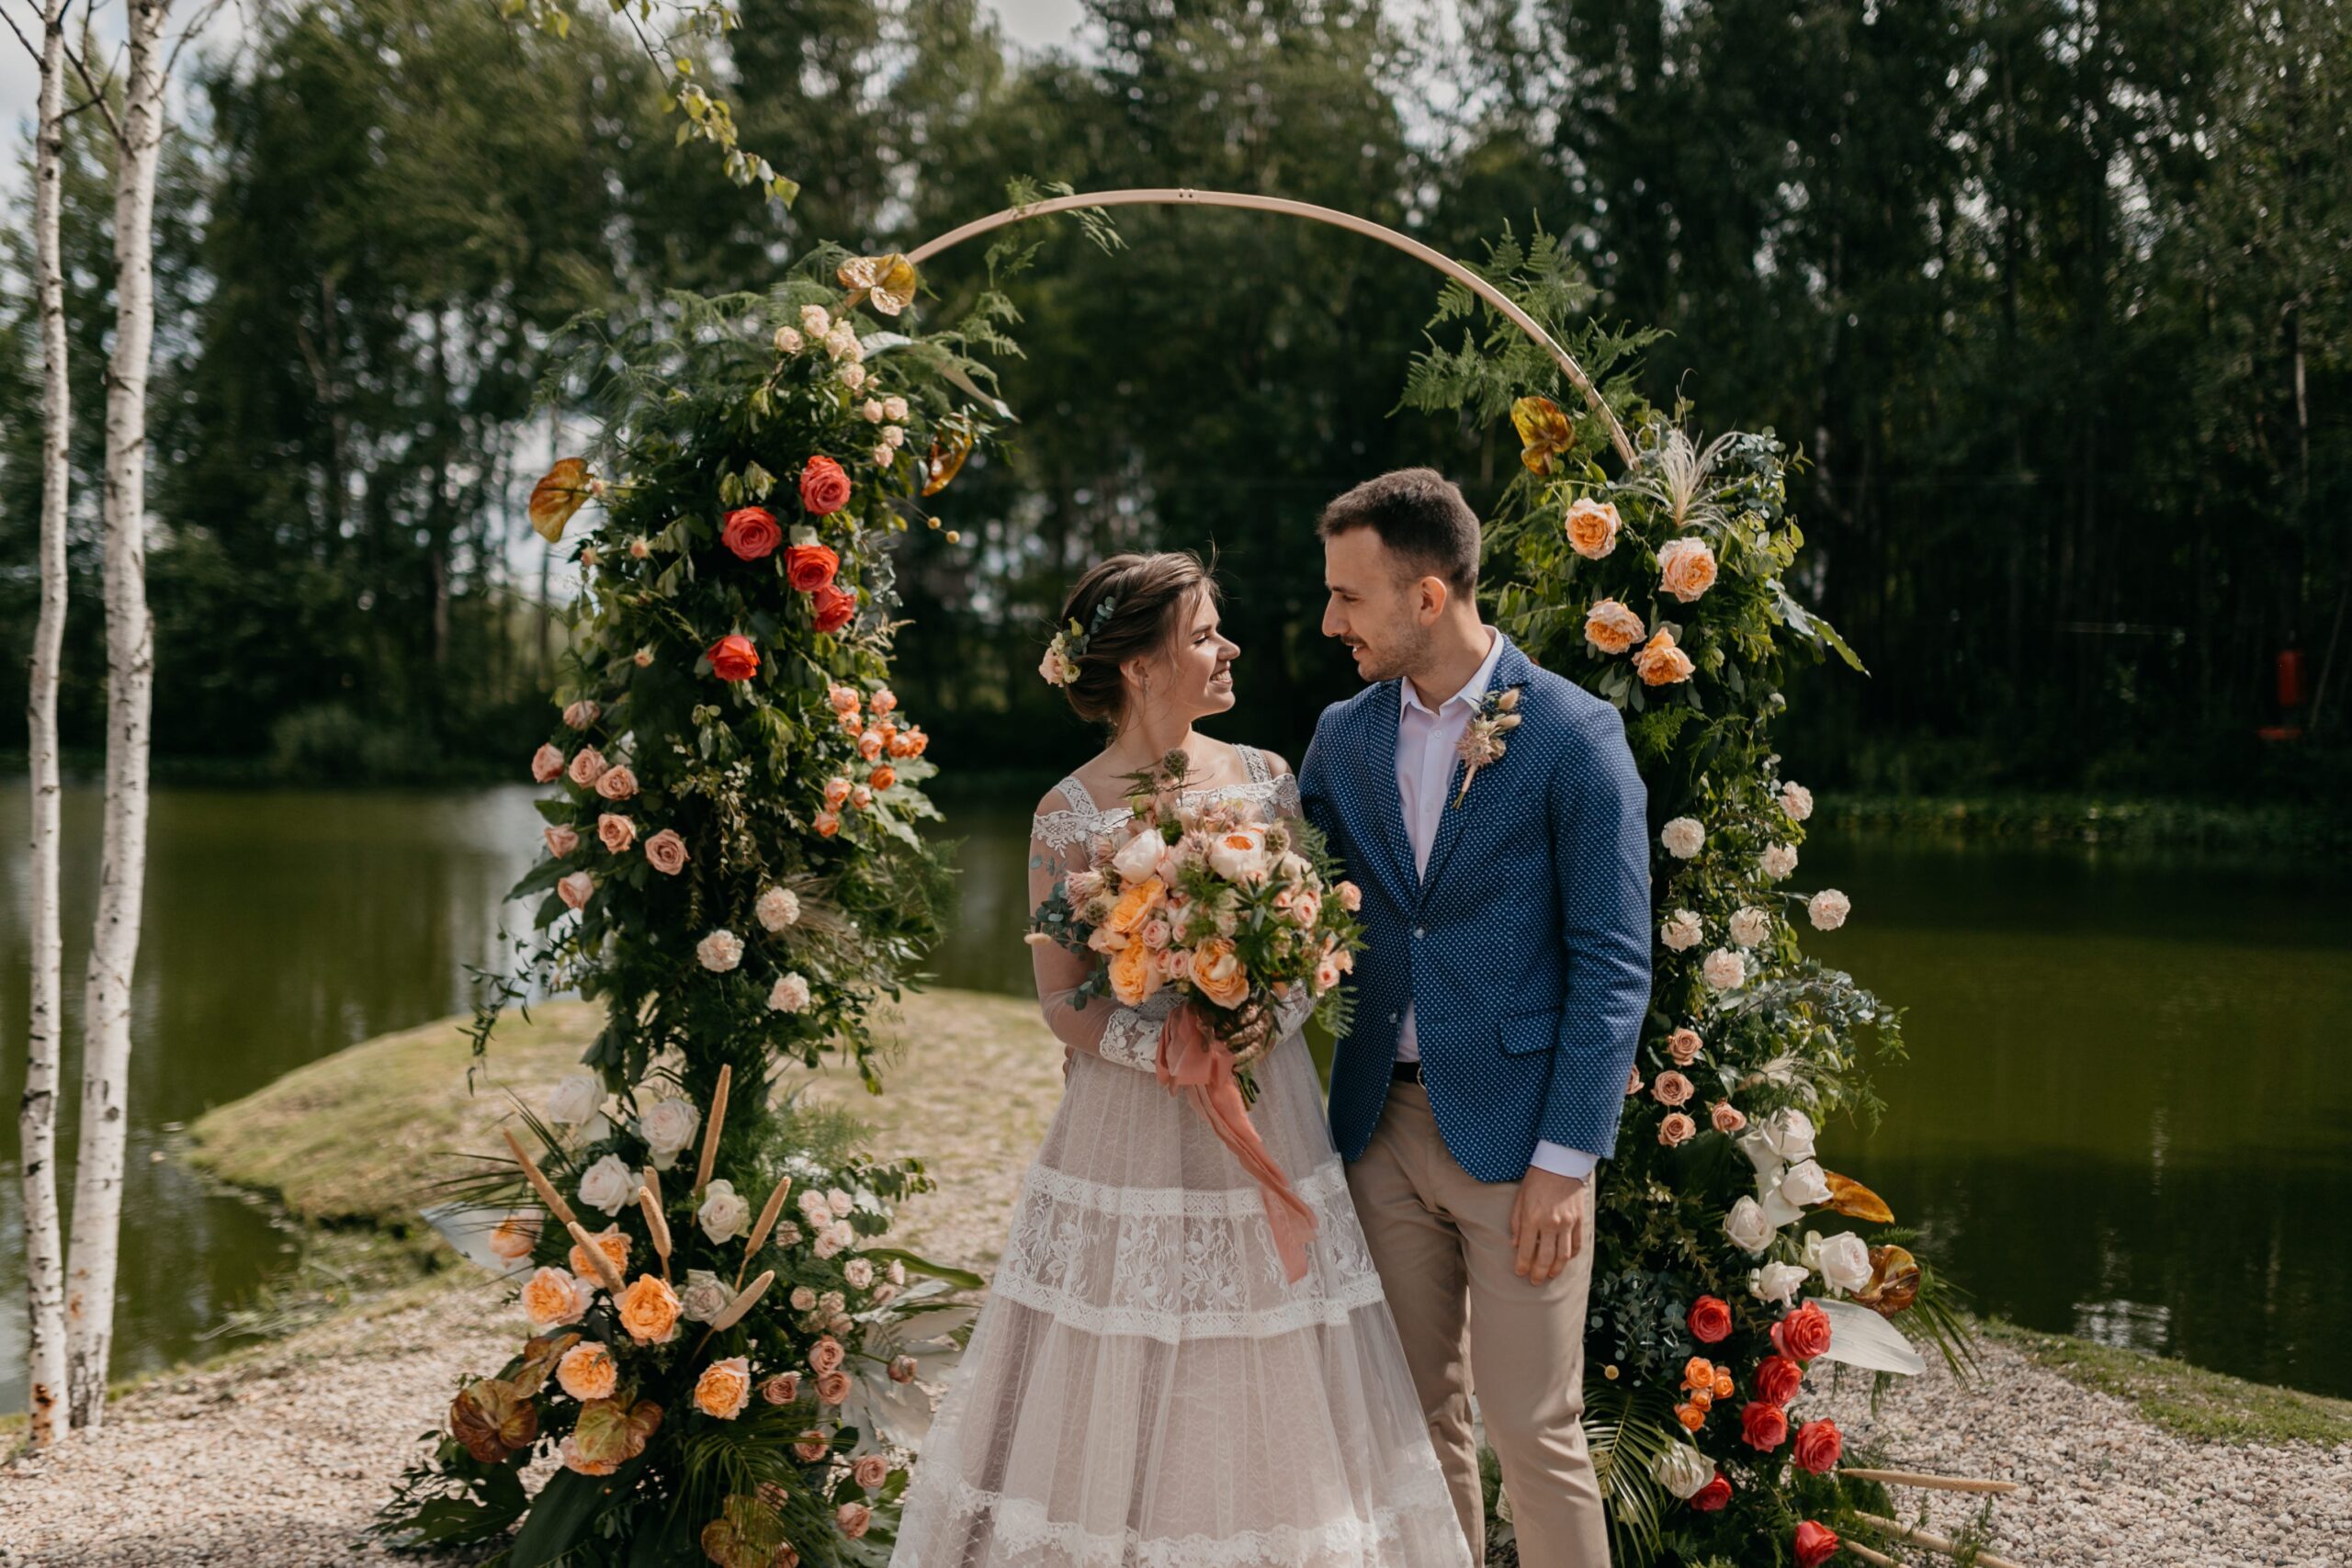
{"type": "Point", "coordinates": [1546, 1224]}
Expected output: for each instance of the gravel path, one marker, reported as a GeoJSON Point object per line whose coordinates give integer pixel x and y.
{"type": "Point", "coordinates": [279, 1458]}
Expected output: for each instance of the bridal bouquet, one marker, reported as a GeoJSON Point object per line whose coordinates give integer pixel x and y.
{"type": "Point", "coordinates": [1244, 913]}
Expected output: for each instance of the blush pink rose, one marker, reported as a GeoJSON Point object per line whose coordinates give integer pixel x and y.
{"type": "Point", "coordinates": [587, 767]}
{"type": "Point", "coordinates": [561, 841]}
{"type": "Point", "coordinates": [1672, 1089]}
{"type": "Point", "coordinates": [1676, 1129]}
{"type": "Point", "coordinates": [1728, 1117]}
{"type": "Point", "coordinates": [546, 766]}
{"type": "Point", "coordinates": [615, 833]}
{"type": "Point", "coordinates": [666, 852]}
{"type": "Point", "coordinates": [582, 713]}
{"type": "Point", "coordinates": [1351, 896]}
{"type": "Point", "coordinates": [574, 889]}
{"type": "Point", "coordinates": [871, 1470]}
{"type": "Point", "coordinates": [616, 784]}
{"type": "Point", "coordinates": [1684, 1046]}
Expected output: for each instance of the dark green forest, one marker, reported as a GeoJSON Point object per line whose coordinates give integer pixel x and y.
{"type": "Point", "coordinates": [2050, 296]}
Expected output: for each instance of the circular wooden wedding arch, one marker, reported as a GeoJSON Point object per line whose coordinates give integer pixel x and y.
{"type": "Point", "coordinates": [1185, 197]}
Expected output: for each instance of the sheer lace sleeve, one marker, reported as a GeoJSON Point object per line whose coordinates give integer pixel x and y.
{"type": "Point", "coordinates": [1060, 841]}
{"type": "Point", "coordinates": [1280, 786]}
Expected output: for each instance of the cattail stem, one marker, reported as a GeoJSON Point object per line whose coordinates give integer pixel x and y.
{"type": "Point", "coordinates": [769, 1212]}
{"type": "Point", "coordinates": [1933, 1483]}
{"type": "Point", "coordinates": [1930, 1540]}
{"type": "Point", "coordinates": [710, 1132]}
{"type": "Point", "coordinates": [614, 1284]}
{"type": "Point", "coordinates": [1877, 1558]}
{"type": "Point", "coordinates": [539, 1183]}
{"type": "Point", "coordinates": [658, 1226]}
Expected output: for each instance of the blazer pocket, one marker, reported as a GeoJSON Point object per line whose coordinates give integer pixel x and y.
{"type": "Point", "coordinates": [1527, 1032]}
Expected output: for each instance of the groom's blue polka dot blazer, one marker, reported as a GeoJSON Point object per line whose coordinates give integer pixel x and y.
{"type": "Point", "coordinates": [1525, 949]}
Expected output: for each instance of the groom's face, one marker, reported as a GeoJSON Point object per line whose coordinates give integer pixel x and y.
{"type": "Point", "coordinates": [1379, 606]}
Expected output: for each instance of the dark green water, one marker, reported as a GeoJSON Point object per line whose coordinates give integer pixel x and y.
{"type": "Point", "coordinates": [2124, 1113]}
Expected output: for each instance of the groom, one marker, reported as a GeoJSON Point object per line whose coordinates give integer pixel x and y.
{"type": "Point", "coordinates": [1499, 998]}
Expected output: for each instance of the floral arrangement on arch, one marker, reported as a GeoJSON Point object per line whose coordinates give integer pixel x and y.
{"type": "Point", "coordinates": [732, 868]}
{"type": "Point", "coordinates": [1731, 1266]}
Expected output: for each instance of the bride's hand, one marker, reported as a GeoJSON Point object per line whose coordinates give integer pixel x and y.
{"type": "Point", "coordinates": [1252, 1034]}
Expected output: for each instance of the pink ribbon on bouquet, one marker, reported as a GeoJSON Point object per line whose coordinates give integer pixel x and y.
{"type": "Point", "coordinates": [1195, 1060]}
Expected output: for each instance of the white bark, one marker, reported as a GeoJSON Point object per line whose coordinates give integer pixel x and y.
{"type": "Point", "coordinates": [130, 665]}
{"type": "Point", "coordinates": [37, 1116]}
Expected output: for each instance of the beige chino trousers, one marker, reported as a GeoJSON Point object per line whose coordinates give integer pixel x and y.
{"type": "Point", "coordinates": [1440, 1239]}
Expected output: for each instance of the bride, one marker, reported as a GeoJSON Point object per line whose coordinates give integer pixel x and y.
{"type": "Point", "coordinates": [1146, 1386]}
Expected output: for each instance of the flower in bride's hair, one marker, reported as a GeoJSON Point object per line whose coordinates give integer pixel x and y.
{"type": "Point", "coordinates": [1592, 527]}
{"type": "Point", "coordinates": [1725, 970]}
{"type": "Point", "coordinates": [607, 1185]}
{"type": "Point", "coordinates": [1611, 629]}
{"type": "Point", "coordinates": [1682, 931]}
{"type": "Point", "coordinates": [1661, 663]}
{"type": "Point", "coordinates": [1827, 909]}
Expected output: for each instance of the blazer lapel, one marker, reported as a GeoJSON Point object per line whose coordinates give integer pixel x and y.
{"type": "Point", "coordinates": [1510, 670]}
{"type": "Point", "coordinates": [1385, 805]}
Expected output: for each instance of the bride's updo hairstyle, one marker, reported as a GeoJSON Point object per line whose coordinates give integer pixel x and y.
{"type": "Point", "coordinates": [1150, 596]}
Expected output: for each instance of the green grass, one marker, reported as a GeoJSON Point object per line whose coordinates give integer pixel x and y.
{"type": "Point", "coordinates": [2108, 821]}
{"type": "Point", "coordinates": [2203, 1405]}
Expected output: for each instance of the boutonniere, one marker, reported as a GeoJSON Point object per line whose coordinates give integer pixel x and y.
{"type": "Point", "coordinates": [1482, 740]}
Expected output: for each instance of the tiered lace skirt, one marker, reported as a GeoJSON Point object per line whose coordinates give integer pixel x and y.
{"type": "Point", "coordinates": [1145, 1389]}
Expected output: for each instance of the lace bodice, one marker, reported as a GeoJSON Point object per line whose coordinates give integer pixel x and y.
{"type": "Point", "coordinates": [1082, 821]}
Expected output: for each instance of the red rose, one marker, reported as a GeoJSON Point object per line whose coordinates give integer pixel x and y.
{"type": "Point", "coordinates": [1763, 1426]}
{"type": "Point", "coordinates": [751, 531]}
{"type": "Point", "coordinates": [834, 608]}
{"type": "Point", "coordinates": [1818, 1446]}
{"type": "Point", "coordinates": [1713, 1495]}
{"type": "Point", "coordinates": [1778, 1379]}
{"type": "Point", "coordinates": [810, 567]}
{"type": "Point", "coordinates": [1803, 1334]}
{"type": "Point", "coordinates": [823, 487]}
{"type": "Point", "coordinates": [1711, 1320]}
{"type": "Point", "coordinates": [732, 658]}
{"type": "Point", "coordinates": [1817, 1544]}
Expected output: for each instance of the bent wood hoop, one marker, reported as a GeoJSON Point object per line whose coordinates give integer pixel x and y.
{"type": "Point", "coordinates": [1186, 196]}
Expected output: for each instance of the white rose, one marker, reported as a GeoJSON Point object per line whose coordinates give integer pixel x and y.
{"type": "Point", "coordinates": [894, 409]}
{"type": "Point", "coordinates": [1746, 1227]}
{"type": "Point", "coordinates": [705, 1295]}
{"type": "Point", "coordinates": [1239, 854]}
{"type": "Point", "coordinates": [1778, 861]}
{"type": "Point", "coordinates": [1751, 927]}
{"type": "Point", "coordinates": [893, 436]}
{"type": "Point", "coordinates": [1725, 970]}
{"type": "Point", "coordinates": [1053, 669]}
{"type": "Point", "coordinates": [607, 1185]}
{"type": "Point", "coordinates": [1797, 801]}
{"type": "Point", "coordinates": [839, 1202]}
{"type": "Point", "coordinates": [777, 907]}
{"type": "Point", "coordinates": [787, 341]}
{"type": "Point", "coordinates": [883, 455]}
{"type": "Point", "coordinates": [833, 1302]}
{"type": "Point", "coordinates": [1682, 837]}
{"type": "Point", "coordinates": [1139, 857]}
{"type": "Point", "coordinates": [1682, 931]}
{"type": "Point", "coordinates": [803, 1298]}
{"type": "Point", "coordinates": [835, 1239]}
{"type": "Point", "coordinates": [575, 1100]}
{"type": "Point", "coordinates": [1844, 1260]}
{"type": "Point", "coordinates": [859, 1272]}
{"type": "Point", "coordinates": [814, 321]}
{"type": "Point", "coordinates": [1791, 1134]}
{"type": "Point", "coordinates": [786, 1233]}
{"type": "Point", "coordinates": [898, 1273]}
{"type": "Point", "coordinates": [1682, 1469]}
{"type": "Point", "coordinates": [1805, 1185]}
{"type": "Point", "coordinates": [813, 1209]}
{"type": "Point", "coordinates": [667, 1127]}
{"type": "Point", "coordinates": [1828, 909]}
{"type": "Point", "coordinates": [790, 994]}
{"type": "Point", "coordinates": [723, 1215]}
{"type": "Point", "coordinates": [720, 951]}
{"type": "Point", "coordinates": [1777, 1283]}
{"type": "Point", "coordinates": [853, 376]}
{"type": "Point", "coordinates": [1758, 1145]}
{"type": "Point", "coordinates": [870, 410]}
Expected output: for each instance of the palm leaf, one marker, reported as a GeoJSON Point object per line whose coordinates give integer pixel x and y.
{"type": "Point", "coordinates": [1627, 1428]}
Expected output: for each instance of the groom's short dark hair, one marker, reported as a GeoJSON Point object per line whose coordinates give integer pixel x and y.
{"type": "Point", "coordinates": [1419, 514]}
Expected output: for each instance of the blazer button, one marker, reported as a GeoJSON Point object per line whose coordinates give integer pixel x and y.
{"type": "Point", "coordinates": [1395, 1018]}
{"type": "Point", "coordinates": [1419, 932]}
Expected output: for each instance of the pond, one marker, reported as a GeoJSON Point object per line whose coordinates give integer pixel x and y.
{"type": "Point", "coordinates": [2120, 1117]}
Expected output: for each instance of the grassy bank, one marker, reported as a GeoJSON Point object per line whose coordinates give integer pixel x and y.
{"type": "Point", "coordinates": [2093, 820]}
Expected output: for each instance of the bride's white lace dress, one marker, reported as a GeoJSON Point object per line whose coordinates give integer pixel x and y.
{"type": "Point", "coordinates": [1145, 1387]}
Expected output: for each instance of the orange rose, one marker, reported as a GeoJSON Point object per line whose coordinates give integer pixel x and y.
{"type": "Point", "coordinates": [1592, 528]}
{"type": "Point", "coordinates": [611, 1244]}
{"type": "Point", "coordinates": [1660, 663]}
{"type": "Point", "coordinates": [587, 1371]}
{"type": "Point", "coordinates": [1686, 569]}
{"type": "Point", "coordinates": [552, 1296]}
{"type": "Point", "coordinates": [1611, 628]}
{"type": "Point", "coordinates": [1219, 974]}
{"type": "Point", "coordinates": [882, 777]}
{"type": "Point", "coordinates": [724, 1388]}
{"type": "Point", "coordinates": [1133, 975]}
{"type": "Point", "coordinates": [648, 1311]}
{"type": "Point", "coordinates": [1136, 904]}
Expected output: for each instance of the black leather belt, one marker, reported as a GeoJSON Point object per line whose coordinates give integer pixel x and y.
{"type": "Point", "coordinates": [1406, 1072]}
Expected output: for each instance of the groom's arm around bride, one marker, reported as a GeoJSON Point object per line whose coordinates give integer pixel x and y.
{"type": "Point", "coordinates": [1492, 815]}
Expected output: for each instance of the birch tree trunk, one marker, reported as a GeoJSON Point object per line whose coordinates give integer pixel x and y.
{"type": "Point", "coordinates": [37, 1116]}
{"type": "Point", "coordinates": [131, 667]}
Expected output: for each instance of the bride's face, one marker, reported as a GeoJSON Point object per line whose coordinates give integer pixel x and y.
{"type": "Point", "coordinates": [1193, 676]}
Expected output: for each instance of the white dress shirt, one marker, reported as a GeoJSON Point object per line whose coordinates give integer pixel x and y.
{"type": "Point", "coordinates": [1426, 743]}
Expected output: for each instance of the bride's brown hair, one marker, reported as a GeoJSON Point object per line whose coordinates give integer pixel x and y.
{"type": "Point", "coordinates": [1146, 596]}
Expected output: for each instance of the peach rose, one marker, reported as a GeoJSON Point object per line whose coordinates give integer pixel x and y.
{"type": "Point", "coordinates": [836, 791]}
{"type": "Point", "coordinates": [902, 1368]}
{"type": "Point", "coordinates": [827, 1355]}
{"type": "Point", "coordinates": [588, 1371]}
{"type": "Point", "coordinates": [1136, 906]}
{"type": "Point", "coordinates": [1686, 569]}
{"type": "Point", "coordinates": [581, 714]}
{"type": "Point", "coordinates": [1672, 1089]}
{"type": "Point", "coordinates": [1660, 663]}
{"type": "Point", "coordinates": [724, 1388]}
{"type": "Point", "coordinates": [615, 833]}
{"type": "Point", "coordinates": [1684, 1046]}
{"type": "Point", "coordinates": [1351, 896]}
{"type": "Point", "coordinates": [587, 766]}
{"type": "Point", "coordinates": [1728, 1117]}
{"type": "Point", "coordinates": [826, 823]}
{"type": "Point", "coordinates": [813, 1447]}
{"type": "Point", "coordinates": [514, 1238]}
{"type": "Point", "coordinates": [561, 841]}
{"type": "Point", "coordinates": [666, 852]}
{"type": "Point", "coordinates": [1134, 974]}
{"type": "Point", "coordinates": [616, 784]}
{"type": "Point", "coordinates": [574, 890]}
{"type": "Point", "coordinates": [853, 1518]}
{"type": "Point", "coordinates": [869, 744]}
{"type": "Point", "coordinates": [870, 1470]}
{"type": "Point", "coordinates": [780, 1389]}
{"type": "Point", "coordinates": [861, 798]}
{"type": "Point", "coordinates": [832, 1388]}
{"type": "Point", "coordinates": [1677, 1128]}
{"type": "Point", "coordinates": [613, 1245]}
{"type": "Point", "coordinates": [649, 1310]}
{"type": "Point", "coordinates": [1592, 527]}
{"type": "Point", "coordinates": [1611, 628]}
{"type": "Point", "coordinates": [882, 778]}
{"type": "Point", "coordinates": [546, 766]}
{"type": "Point", "coordinates": [1218, 973]}
{"type": "Point", "coordinates": [1634, 1081]}
{"type": "Point", "coordinates": [885, 700]}
{"type": "Point", "coordinates": [551, 1297]}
